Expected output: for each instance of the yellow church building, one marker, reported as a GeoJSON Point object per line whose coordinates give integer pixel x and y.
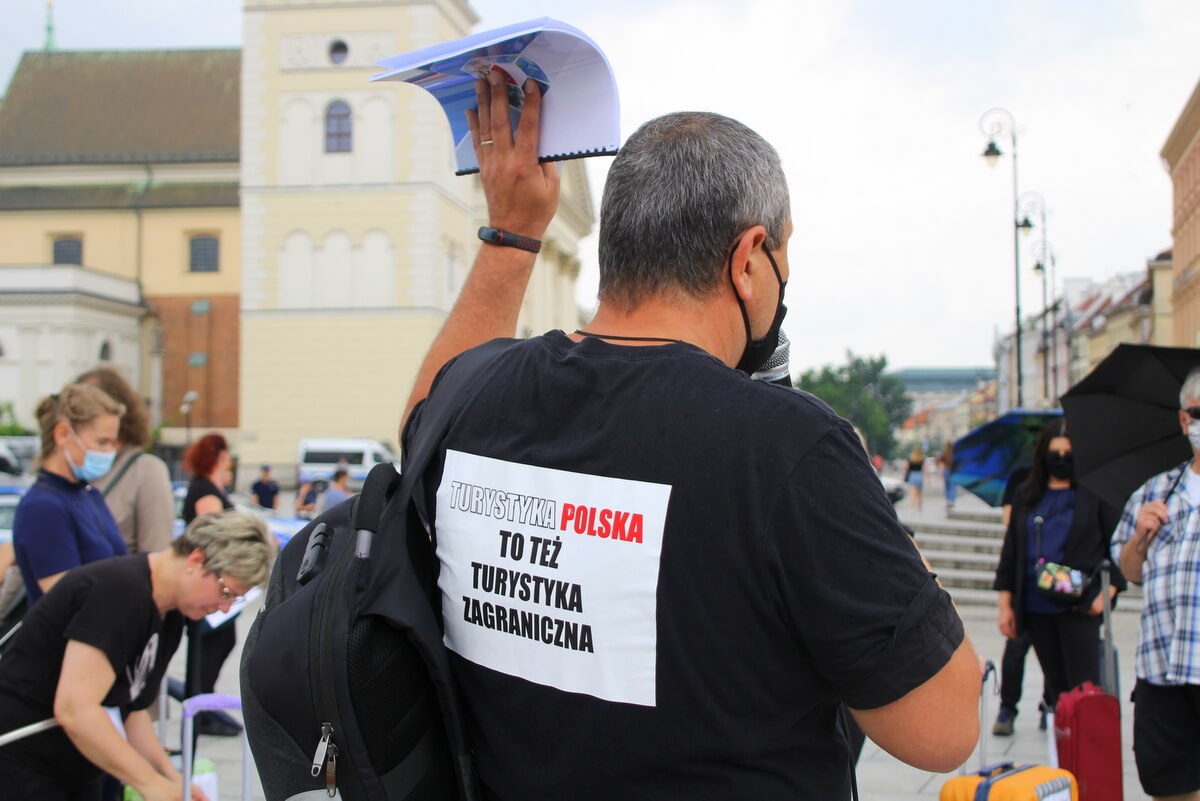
{"type": "Point", "coordinates": [261, 227]}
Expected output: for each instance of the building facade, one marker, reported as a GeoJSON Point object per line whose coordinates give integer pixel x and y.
{"type": "Point", "coordinates": [1181, 157]}
{"type": "Point", "coordinates": [124, 166]}
{"type": "Point", "coordinates": [293, 234]}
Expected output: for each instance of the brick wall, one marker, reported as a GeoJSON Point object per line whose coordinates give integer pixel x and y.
{"type": "Point", "coordinates": [201, 352]}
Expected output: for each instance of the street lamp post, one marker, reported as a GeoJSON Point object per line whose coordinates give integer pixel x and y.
{"type": "Point", "coordinates": [995, 123]}
{"type": "Point", "coordinates": [189, 397]}
{"type": "Point", "coordinates": [1031, 203]}
{"type": "Point", "coordinates": [1043, 254]}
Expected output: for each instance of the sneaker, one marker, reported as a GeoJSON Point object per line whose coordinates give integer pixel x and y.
{"type": "Point", "coordinates": [1003, 727]}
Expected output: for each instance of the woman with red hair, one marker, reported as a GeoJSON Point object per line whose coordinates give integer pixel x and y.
{"type": "Point", "coordinates": [208, 461]}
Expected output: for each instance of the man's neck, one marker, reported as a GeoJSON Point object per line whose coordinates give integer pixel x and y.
{"type": "Point", "coordinates": [657, 321]}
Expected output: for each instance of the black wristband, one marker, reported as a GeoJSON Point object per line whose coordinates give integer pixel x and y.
{"type": "Point", "coordinates": [498, 236]}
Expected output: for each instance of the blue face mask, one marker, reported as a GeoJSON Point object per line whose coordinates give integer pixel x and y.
{"type": "Point", "coordinates": [95, 463]}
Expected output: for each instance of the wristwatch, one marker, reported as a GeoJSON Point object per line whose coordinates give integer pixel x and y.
{"type": "Point", "coordinates": [498, 236]}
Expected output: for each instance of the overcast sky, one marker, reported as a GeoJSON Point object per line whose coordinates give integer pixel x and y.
{"type": "Point", "coordinates": [903, 242]}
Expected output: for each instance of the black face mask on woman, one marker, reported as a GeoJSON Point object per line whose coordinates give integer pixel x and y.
{"type": "Point", "coordinates": [1060, 465]}
{"type": "Point", "coordinates": [758, 351]}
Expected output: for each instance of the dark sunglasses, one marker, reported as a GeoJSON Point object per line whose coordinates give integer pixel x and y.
{"type": "Point", "coordinates": [1193, 412]}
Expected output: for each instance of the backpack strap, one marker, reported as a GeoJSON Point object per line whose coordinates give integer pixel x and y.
{"type": "Point", "coordinates": [382, 482]}
{"type": "Point", "coordinates": [453, 390]}
{"type": "Point", "coordinates": [120, 473]}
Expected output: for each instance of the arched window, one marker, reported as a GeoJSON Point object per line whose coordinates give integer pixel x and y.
{"type": "Point", "coordinates": [338, 127]}
{"type": "Point", "coordinates": [105, 351]}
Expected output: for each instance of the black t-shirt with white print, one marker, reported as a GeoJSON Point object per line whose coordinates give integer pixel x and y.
{"type": "Point", "coordinates": [109, 605]}
{"type": "Point", "coordinates": [660, 579]}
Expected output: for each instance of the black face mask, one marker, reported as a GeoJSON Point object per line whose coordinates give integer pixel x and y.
{"type": "Point", "coordinates": [1060, 465]}
{"type": "Point", "coordinates": [758, 351]}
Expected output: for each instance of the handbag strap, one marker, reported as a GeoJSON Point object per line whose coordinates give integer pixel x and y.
{"type": "Point", "coordinates": [120, 473]}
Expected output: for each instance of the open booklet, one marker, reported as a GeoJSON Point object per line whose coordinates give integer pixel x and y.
{"type": "Point", "coordinates": [580, 112]}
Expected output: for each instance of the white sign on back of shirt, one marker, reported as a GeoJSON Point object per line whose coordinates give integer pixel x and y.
{"type": "Point", "coordinates": [552, 576]}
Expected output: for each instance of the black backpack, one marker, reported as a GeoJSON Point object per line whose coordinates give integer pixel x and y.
{"type": "Point", "coordinates": [345, 679]}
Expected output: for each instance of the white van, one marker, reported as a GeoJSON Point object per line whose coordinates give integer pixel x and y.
{"type": "Point", "coordinates": [316, 459]}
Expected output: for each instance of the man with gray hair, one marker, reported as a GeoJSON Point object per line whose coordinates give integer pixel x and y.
{"type": "Point", "coordinates": [660, 578]}
{"type": "Point", "coordinates": [1157, 544]}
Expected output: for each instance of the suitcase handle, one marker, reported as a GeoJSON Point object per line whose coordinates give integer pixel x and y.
{"type": "Point", "coordinates": [210, 702]}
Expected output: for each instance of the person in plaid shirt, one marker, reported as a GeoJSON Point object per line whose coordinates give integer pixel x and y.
{"type": "Point", "coordinates": [1158, 545]}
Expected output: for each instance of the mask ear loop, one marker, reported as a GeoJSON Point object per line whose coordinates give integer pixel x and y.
{"type": "Point", "coordinates": [737, 297]}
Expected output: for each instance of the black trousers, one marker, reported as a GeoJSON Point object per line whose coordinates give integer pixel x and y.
{"type": "Point", "coordinates": [1068, 649]}
{"type": "Point", "coordinates": [207, 651]}
{"type": "Point", "coordinates": [1012, 670]}
{"type": "Point", "coordinates": [21, 778]}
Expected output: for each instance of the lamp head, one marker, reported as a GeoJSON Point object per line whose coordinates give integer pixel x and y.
{"type": "Point", "coordinates": [992, 154]}
{"type": "Point", "coordinates": [1025, 226]}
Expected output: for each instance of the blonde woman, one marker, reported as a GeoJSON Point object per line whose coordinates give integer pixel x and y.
{"type": "Point", "coordinates": [93, 651]}
{"type": "Point", "coordinates": [62, 521]}
{"type": "Point", "coordinates": [915, 474]}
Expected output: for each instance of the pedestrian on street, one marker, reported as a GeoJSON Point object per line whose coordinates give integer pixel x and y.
{"type": "Point", "coordinates": [1157, 544]}
{"type": "Point", "coordinates": [265, 492]}
{"type": "Point", "coordinates": [914, 475]}
{"type": "Point", "coordinates": [1056, 523]}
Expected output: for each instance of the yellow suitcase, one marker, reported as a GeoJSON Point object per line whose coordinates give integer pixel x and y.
{"type": "Point", "coordinates": [1008, 782]}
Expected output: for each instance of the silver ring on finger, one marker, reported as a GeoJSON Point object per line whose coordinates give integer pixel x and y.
{"type": "Point", "coordinates": [486, 142]}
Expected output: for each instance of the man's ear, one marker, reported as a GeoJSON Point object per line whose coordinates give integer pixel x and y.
{"type": "Point", "coordinates": [745, 246]}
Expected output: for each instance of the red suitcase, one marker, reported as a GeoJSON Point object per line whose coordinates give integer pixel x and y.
{"type": "Point", "coordinates": [1087, 726]}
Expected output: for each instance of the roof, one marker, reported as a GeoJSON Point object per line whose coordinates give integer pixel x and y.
{"type": "Point", "coordinates": [117, 196]}
{"type": "Point", "coordinates": [122, 107]}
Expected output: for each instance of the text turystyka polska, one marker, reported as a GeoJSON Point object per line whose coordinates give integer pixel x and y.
{"type": "Point", "coordinates": [540, 550]}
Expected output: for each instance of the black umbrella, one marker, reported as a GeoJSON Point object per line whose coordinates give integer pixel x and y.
{"type": "Point", "coordinates": [1123, 418]}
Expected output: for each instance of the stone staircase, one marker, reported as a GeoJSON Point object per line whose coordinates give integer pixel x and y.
{"type": "Point", "coordinates": [964, 549]}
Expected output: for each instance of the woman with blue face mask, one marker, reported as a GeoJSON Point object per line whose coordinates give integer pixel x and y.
{"type": "Point", "coordinates": [62, 522]}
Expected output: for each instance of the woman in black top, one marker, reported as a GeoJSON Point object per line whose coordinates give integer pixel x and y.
{"type": "Point", "coordinates": [209, 463]}
{"type": "Point", "coordinates": [92, 652]}
{"type": "Point", "coordinates": [1055, 521]}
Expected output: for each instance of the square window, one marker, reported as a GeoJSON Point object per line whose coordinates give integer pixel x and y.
{"type": "Point", "coordinates": [197, 359]}
{"type": "Point", "coordinates": [68, 250]}
{"type": "Point", "coordinates": [203, 255]}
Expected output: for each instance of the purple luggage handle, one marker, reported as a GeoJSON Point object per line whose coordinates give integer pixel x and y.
{"type": "Point", "coordinates": [205, 703]}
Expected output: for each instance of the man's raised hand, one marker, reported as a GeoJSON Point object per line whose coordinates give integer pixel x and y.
{"type": "Point", "coordinates": [522, 194]}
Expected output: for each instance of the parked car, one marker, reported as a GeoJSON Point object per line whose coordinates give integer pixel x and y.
{"type": "Point", "coordinates": [316, 459]}
{"type": "Point", "coordinates": [8, 510]}
{"type": "Point", "coordinates": [894, 488]}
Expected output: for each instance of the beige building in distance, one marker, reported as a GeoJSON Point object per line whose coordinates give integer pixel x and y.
{"type": "Point", "coordinates": [1181, 156]}
{"type": "Point", "coordinates": [286, 236]}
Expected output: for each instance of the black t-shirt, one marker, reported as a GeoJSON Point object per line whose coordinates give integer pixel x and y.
{"type": "Point", "coordinates": [266, 491]}
{"type": "Point", "coordinates": [201, 487]}
{"type": "Point", "coordinates": [109, 605]}
{"type": "Point", "coordinates": [660, 579]}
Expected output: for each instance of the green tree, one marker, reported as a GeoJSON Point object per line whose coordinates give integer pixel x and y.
{"type": "Point", "coordinates": [9, 427]}
{"type": "Point", "coordinates": [860, 392]}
